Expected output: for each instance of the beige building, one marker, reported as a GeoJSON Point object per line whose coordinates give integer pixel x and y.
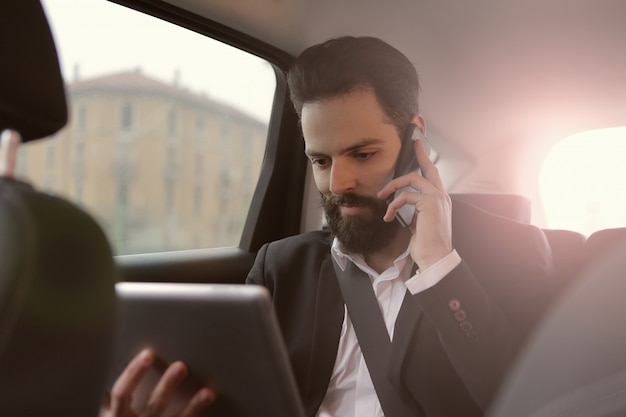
{"type": "Point", "coordinates": [162, 168]}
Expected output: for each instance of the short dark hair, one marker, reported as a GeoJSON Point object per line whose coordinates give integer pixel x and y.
{"type": "Point", "coordinates": [342, 65]}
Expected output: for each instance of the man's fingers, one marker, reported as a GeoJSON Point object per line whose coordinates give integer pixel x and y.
{"type": "Point", "coordinates": [165, 388]}
{"type": "Point", "coordinates": [200, 401]}
{"type": "Point", "coordinates": [122, 391]}
{"type": "Point", "coordinates": [164, 397]}
{"type": "Point", "coordinates": [429, 170]}
{"type": "Point", "coordinates": [407, 196]}
{"type": "Point", "coordinates": [413, 180]}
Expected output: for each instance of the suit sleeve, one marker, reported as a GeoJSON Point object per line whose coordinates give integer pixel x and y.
{"type": "Point", "coordinates": [256, 275]}
{"type": "Point", "coordinates": [475, 333]}
{"type": "Point", "coordinates": [485, 309]}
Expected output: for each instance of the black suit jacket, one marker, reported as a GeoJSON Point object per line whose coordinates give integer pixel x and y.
{"type": "Point", "coordinates": [456, 342]}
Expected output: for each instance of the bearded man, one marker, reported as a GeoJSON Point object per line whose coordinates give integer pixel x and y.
{"type": "Point", "coordinates": [455, 310]}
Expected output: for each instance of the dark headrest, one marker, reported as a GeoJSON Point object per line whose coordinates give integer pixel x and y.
{"type": "Point", "coordinates": [32, 94]}
{"type": "Point", "coordinates": [57, 305]}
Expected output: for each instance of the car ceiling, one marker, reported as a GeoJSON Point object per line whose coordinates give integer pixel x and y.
{"type": "Point", "coordinates": [501, 80]}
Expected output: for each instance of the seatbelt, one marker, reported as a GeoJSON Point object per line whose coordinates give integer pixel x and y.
{"type": "Point", "coordinates": [373, 337]}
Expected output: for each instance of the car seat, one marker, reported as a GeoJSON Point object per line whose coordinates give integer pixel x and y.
{"type": "Point", "coordinates": [575, 364]}
{"type": "Point", "coordinates": [57, 274]}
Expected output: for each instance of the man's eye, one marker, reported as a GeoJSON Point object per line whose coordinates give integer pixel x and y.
{"type": "Point", "coordinates": [363, 155]}
{"type": "Point", "coordinates": [320, 162]}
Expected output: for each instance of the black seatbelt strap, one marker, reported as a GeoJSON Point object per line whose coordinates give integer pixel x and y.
{"type": "Point", "coordinates": [373, 337]}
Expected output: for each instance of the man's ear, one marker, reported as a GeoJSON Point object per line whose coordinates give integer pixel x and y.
{"type": "Point", "coordinates": [418, 120]}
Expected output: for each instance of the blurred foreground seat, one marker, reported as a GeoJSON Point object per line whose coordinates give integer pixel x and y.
{"type": "Point", "coordinates": [57, 273]}
{"type": "Point", "coordinates": [575, 365]}
{"type": "Point", "coordinates": [568, 254]}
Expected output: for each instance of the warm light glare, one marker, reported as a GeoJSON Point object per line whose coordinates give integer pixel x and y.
{"type": "Point", "coordinates": [583, 182]}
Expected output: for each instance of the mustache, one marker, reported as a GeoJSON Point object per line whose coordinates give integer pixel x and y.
{"type": "Point", "coordinates": [349, 199]}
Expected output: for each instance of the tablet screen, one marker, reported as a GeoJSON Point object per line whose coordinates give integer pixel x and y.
{"type": "Point", "coordinates": [226, 334]}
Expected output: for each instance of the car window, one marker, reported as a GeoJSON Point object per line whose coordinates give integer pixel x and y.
{"type": "Point", "coordinates": [167, 129]}
{"type": "Point", "coordinates": [582, 183]}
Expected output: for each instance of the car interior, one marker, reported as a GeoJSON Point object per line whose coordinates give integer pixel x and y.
{"type": "Point", "coordinates": [124, 171]}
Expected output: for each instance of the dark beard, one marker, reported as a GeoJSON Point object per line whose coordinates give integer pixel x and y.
{"type": "Point", "coordinates": [359, 234]}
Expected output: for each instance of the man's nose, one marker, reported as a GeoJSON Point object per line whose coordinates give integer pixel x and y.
{"type": "Point", "coordinates": [342, 178]}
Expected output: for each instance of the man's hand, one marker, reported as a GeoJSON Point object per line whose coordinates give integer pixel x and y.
{"type": "Point", "coordinates": [161, 397]}
{"type": "Point", "coordinates": [432, 224]}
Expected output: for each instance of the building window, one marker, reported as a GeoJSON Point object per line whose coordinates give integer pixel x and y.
{"type": "Point", "coordinates": [172, 121]}
{"type": "Point", "coordinates": [199, 165]}
{"type": "Point", "coordinates": [120, 226]}
{"type": "Point", "coordinates": [170, 190]}
{"type": "Point", "coordinates": [50, 155]}
{"type": "Point", "coordinates": [22, 160]}
{"type": "Point", "coordinates": [81, 117]}
{"type": "Point", "coordinates": [78, 190]}
{"type": "Point", "coordinates": [200, 126]}
{"type": "Point", "coordinates": [79, 160]}
{"type": "Point", "coordinates": [126, 116]}
{"type": "Point", "coordinates": [122, 194]}
{"type": "Point", "coordinates": [197, 200]}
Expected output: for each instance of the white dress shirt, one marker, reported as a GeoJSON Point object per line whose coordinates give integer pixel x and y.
{"type": "Point", "coordinates": [351, 391]}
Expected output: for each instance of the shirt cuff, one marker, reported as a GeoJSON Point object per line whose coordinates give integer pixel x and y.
{"type": "Point", "coordinates": [427, 278]}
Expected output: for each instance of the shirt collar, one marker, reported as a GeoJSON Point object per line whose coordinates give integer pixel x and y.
{"type": "Point", "coordinates": [342, 256]}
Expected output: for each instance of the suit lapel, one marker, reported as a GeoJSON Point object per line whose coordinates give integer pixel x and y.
{"type": "Point", "coordinates": [406, 325]}
{"type": "Point", "coordinates": [328, 319]}
{"type": "Point", "coordinates": [405, 330]}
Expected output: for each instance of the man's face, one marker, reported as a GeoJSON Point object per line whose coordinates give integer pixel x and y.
{"type": "Point", "coordinates": [353, 148]}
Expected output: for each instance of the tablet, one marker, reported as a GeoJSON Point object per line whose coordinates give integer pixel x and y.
{"type": "Point", "coordinates": [227, 335]}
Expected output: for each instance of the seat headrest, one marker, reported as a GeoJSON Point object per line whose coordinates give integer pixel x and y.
{"type": "Point", "coordinates": [32, 93]}
{"type": "Point", "coordinates": [601, 242]}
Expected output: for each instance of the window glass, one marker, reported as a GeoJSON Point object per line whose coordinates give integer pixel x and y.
{"type": "Point", "coordinates": [167, 129]}
{"type": "Point", "coordinates": [583, 182]}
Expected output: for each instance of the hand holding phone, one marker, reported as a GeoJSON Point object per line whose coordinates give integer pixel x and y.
{"type": "Point", "coordinates": [407, 163]}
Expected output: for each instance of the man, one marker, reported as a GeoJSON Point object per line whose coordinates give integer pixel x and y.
{"type": "Point", "coordinates": [471, 299]}
{"type": "Point", "coordinates": [355, 98]}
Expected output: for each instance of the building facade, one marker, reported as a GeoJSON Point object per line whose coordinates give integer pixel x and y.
{"type": "Point", "coordinates": [162, 168]}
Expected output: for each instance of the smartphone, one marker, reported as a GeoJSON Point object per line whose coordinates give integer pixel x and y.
{"type": "Point", "coordinates": [408, 163]}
